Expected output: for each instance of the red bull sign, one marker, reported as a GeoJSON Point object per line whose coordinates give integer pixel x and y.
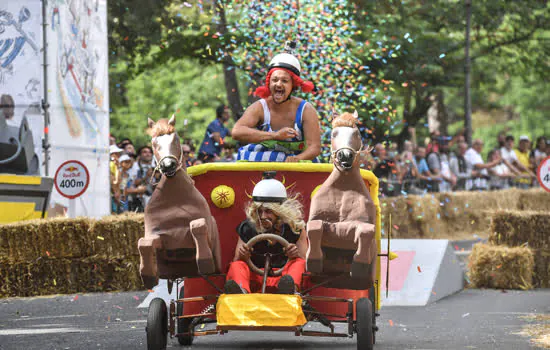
{"type": "Point", "coordinates": [72, 179]}
{"type": "Point", "coordinates": [543, 174]}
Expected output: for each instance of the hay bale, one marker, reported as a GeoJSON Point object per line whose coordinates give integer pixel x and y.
{"type": "Point", "coordinates": [57, 237]}
{"type": "Point", "coordinates": [534, 199]}
{"type": "Point", "coordinates": [397, 207]}
{"type": "Point", "coordinates": [501, 267]}
{"type": "Point", "coordinates": [424, 212]}
{"type": "Point", "coordinates": [117, 235]}
{"type": "Point", "coordinates": [66, 276]}
{"type": "Point", "coordinates": [515, 228]}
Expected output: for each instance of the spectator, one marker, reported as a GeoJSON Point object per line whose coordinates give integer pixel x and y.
{"type": "Point", "coordinates": [538, 153]}
{"type": "Point", "coordinates": [385, 170]}
{"type": "Point", "coordinates": [115, 179]}
{"type": "Point", "coordinates": [473, 156]}
{"type": "Point", "coordinates": [141, 190]}
{"type": "Point", "coordinates": [500, 174]}
{"type": "Point", "coordinates": [522, 154]}
{"type": "Point", "coordinates": [424, 176]}
{"type": "Point", "coordinates": [461, 169]}
{"type": "Point", "coordinates": [186, 150]}
{"type": "Point", "coordinates": [211, 146]}
{"type": "Point", "coordinates": [126, 163]}
{"type": "Point", "coordinates": [438, 162]}
{"type": "Point", "coordinates": [408, 171]}
{"type": "Point", "coordinates": [509, 156]}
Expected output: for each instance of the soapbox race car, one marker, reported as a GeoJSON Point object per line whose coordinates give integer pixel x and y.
{"type": "Point", "coordinates": [330, 297]}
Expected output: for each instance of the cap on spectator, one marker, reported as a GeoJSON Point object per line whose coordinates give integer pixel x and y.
{"type": "Point", "coordinates": [124, 158]}
{"type": "Point", "coordinates": [114, 149]}
{"type": "Point", "coordinates": [524, 138]}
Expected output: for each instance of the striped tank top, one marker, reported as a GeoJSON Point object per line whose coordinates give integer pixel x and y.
{"type": "Point", "coordinates": [273, 150]}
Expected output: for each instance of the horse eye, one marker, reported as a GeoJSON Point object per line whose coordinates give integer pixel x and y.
{"type": "Point", "coordinates": [334, 133]}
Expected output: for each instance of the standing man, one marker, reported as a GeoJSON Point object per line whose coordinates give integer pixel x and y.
{"type": "Point", "coordinates": [211, 146]}
{"type": "Point", "coordinates": [522, 154]}
{"type": "Point", "coordinates": [280, 127]}
{"type": "Point", "coordinates": [473, 157]}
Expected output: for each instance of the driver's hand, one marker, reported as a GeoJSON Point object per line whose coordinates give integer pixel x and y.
{"type": "Point", "coordinates": [244, 252]}
{"type": "Point", "coordinates": [292, 251]}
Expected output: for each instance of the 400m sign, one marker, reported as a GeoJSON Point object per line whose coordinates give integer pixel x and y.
{"type": "Point", "coordinates": [72, 179]}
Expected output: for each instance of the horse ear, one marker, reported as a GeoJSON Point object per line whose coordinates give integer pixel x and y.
{"type": "Point", "coordinates": [355, 114]}
{"type": "Point", "coordinates": [150, 122]}
{"type": "Point", "coordinates": [172, 120]}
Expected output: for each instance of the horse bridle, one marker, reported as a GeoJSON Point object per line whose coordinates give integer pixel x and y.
{"type": "Point", "coordinates": [167, 174]}
{"type": "Point", "coordinates": [355, 153]}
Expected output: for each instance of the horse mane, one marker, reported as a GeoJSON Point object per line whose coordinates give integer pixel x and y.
{"type": "Point", "coordinates": [161, 128]}
{"type": "Point", "coordinates": [344, 119]}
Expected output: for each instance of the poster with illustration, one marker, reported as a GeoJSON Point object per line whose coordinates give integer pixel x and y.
{"type": "Point", "coordinates": [21, 89]}
{"type": "Point", "coordinates": [78, 94]}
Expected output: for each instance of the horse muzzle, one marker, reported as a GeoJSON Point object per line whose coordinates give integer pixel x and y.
{"type": "Point", "coordinates": [168, 167]}
{"type": "Point", "coordinates": [345, 158]}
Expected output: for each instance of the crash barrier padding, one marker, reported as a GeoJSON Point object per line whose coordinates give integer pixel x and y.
{"type": "Point", "coordinates": [526, 228]}
{"type": "Point", "coordinates": [67, 276]}
{"type": "Point", "coordinates": [501, 267]}
{"type": "Point", "coordinates": [455, 215]}
{"type": "Point", "coordinates": [425, 271]}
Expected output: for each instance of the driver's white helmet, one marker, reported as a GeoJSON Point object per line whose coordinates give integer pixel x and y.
{"type": "Point", "coordinates": [269, 190]}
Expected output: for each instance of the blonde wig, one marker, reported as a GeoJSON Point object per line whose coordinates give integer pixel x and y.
{"type": "Point", "coordinates": [289, 212]}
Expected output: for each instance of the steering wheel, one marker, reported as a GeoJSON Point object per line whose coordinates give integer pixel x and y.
{"type": "Point", "coordinates": [264, 237]}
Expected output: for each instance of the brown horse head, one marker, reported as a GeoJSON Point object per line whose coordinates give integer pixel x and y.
{"type": "Point", "coordinates": [346, 141]}
{"type": "Point", "coordinates": [166, 146]}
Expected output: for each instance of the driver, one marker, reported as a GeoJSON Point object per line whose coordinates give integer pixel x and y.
{"type": "Point", "coordinates": [270, 211]}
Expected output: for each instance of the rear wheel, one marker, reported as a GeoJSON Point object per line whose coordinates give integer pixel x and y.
{"type": "Point", "coordinates": [372, 298]}
{"type": "Point", "coordinates": [157, 325]}
{"type": "Point", "coordinates": [183, 323]}
{"type": "Point", "coordinates": [363, 325]}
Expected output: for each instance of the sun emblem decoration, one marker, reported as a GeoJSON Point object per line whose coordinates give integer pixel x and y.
{"type": "Point", "coordinates": [223, 196]}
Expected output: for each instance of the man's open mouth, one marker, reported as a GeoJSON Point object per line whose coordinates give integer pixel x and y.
{"type": "Point", "coordinates": [279, 93]}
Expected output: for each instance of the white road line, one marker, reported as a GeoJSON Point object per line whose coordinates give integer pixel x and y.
{"type": "Point", "coordinates": [136, 321]}
{"type": "Point", "coordinates": [21, 331]}
{"type": "Point", "coordinates": [26, 318]}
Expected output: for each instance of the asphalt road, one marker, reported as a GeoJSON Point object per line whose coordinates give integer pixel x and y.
{"type": "Point", "coordinates": [472, 319]}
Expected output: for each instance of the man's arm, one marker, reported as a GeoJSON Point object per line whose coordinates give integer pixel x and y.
{"type": "Point", "coordinates": [312, 134]}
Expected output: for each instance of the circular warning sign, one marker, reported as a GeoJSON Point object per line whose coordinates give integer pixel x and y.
{"type": "Point", "coordinates": [71, 179]}
{"type": "Point", "coordinates": [543, 174]}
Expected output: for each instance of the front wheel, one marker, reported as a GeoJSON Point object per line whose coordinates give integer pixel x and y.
{"type": "Point", "coordinates": [363, 325]}
{"type": "Point", "coordinates": [157, 325]}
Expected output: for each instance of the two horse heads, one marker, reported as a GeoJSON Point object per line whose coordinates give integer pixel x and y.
{"type": "Point", "coordinates": [181, 235]}
{"type": "Point", "coordinates": [342, 214]}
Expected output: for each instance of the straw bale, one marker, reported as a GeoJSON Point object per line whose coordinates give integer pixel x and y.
{"type": "Point", "coordinates": [425, 216]}
{"type": "Point", "coordinates": [65, 276]}
{"type": "Point", "coordinates": [57, 237]}
{"type": "Point", "coordinates": [117, 235]}
{"type": "Point", "coordinates": [515, 228]}
{"type": "Point", "coordinates": [398, 208]}
{"type": "Point", "coordinates": [534, 199]}
{"type": "Point", "coordinates": [501, 267]}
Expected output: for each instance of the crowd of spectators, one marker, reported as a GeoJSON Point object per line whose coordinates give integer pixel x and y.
{"type": "Point", "coordinates": [446, 164]}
